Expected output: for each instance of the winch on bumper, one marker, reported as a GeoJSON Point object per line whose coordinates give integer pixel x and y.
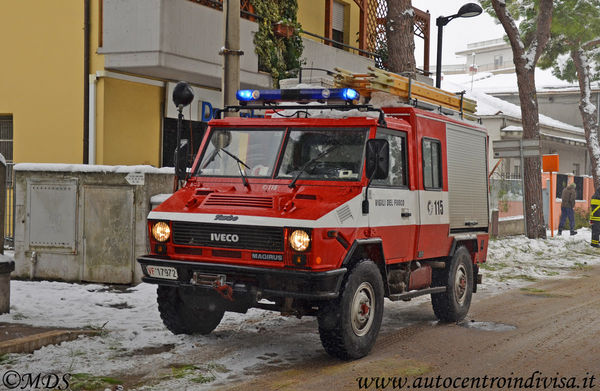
{"type": "Point", "coordinates": [243, 280]}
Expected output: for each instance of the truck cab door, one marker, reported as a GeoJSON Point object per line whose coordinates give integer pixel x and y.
{"type": "Point", "coordinates": [433, 202]}
{"type": "Point", "coordinates": [393, 206]}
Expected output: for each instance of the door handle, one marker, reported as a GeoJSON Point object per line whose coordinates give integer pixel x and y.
{"type": "Point", "coordinates": [405, 214]}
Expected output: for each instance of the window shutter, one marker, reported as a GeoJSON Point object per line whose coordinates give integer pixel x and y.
{"type": "Point", "coordinates": [338, 16]}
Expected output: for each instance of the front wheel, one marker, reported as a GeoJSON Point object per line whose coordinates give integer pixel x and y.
{"type": "Point", "coordinates": [453, 305]}
{"type": "Point", "coordinates": [186, 311]}
{"type": "Point", "coordinates": [348, 326]}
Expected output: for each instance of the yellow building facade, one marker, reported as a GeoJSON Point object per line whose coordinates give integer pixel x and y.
{"type": "Point", "coordinates": [42, 89]}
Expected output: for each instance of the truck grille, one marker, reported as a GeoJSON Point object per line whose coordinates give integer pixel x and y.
{"type": "Point", "coordinates": [228, 236]}
{"type": "Point", "coordinates": [236, 200]}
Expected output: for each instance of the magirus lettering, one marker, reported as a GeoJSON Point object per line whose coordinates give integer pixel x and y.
{"type": "Point", "coordinates": [224, 237]}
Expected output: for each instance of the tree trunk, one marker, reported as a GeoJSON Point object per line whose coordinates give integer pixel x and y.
{"type": "Point", "coordinates": [400, 37]}
{"type": "Point", "coordinates": [532, 172]}
{"type": "Point", "coordinates": [589, 112]}
{"type": "Point", "coordinates": [525, 57]}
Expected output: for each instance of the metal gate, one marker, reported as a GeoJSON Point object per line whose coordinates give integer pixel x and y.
{"type": "Point", "coordinates": [6, 149]}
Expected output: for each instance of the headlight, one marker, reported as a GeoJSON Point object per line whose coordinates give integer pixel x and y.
{"type": "Point", "coordinates": [161, 231]}
{"type": "Point", "coordinates": [299, 240]}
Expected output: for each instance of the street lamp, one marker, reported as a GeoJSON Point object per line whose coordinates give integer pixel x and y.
{"type": "Point", "coordinates": [466, 11]}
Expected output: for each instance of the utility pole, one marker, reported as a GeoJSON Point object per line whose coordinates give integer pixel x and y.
{"type": "Point", "coordinates": [230, 81]}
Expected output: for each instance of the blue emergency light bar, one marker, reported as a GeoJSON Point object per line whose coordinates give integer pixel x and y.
{"type": "Point", "coordinates": [297, 95]}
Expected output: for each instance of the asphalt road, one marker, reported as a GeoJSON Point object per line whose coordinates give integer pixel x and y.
{"type": "Point", "coordinates": [545, 336]}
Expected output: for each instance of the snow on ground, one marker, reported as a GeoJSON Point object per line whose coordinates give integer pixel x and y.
{"type": "Point", "coordinates": [133, 337]}
{"type": "Point", "coordinates": [514, 262]}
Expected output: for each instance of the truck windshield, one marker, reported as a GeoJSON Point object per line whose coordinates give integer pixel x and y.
{"type": "Point", "coordinates": [323, 154]}
{"type": "Point", "coordinates": [256, 149]}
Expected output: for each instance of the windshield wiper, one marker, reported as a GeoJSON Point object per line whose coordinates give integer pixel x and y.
{"type": "Point", "coordinates": [240, 163]}
{"type": "Point", "coordinates": [237, 159]}
{"type": "Point", "coordinates": [310, 162]}
{"type": "Point", "coordinates": [210, 159]}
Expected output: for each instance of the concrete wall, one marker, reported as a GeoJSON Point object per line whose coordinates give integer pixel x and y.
{"type": "Point", "coordinates": [83, 223]}
{"type": "Point", "coordinates": [511, 227]}
{"type": "Point", "coordinates": [174, 40]}
{"type": "Point", "coordinates": [327, 57]}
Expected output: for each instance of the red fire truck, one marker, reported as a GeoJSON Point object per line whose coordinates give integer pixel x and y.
{"type": "Point", "coordinates": [324, 213]}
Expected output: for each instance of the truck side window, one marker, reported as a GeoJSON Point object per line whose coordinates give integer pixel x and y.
{"type": "Point", "coordinates": [432, 164]}
{"type": "Point", "coordinates": [397, 176]}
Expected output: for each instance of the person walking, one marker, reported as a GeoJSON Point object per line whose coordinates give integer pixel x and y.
{"type": "Point", "coordinates": [566, 208]}
{"type": "Point", "coordinates": [595, 218]}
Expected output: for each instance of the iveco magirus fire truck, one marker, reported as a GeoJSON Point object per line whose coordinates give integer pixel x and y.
{"type": "Point", "coordinates": [323, 213]}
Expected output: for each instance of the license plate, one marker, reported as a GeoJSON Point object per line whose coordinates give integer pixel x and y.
{"type": "Point", "coordinates": [166, 272]}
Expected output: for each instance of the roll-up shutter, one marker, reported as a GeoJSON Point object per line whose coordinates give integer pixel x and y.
{"type": "Point", "coordinates": [467, 177]}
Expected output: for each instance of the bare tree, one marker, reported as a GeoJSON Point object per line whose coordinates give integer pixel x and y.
{"type": "Point", "coordinates": [527, 41]}
{"type": "Point", "coordinates": [400, 37]}
{"type": "Point", "coordinates": [574, 54]}
{"type": "Point", "coordinates": [589, 111]}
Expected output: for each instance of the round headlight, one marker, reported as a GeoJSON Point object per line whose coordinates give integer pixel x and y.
{"type": "Point", "coordinates": [161, 231]}
{"type": "Point", "coordinates": [299, 240]}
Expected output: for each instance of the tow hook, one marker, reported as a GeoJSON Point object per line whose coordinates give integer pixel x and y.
{"type": "Point", "coordinates": [216, 281]}
{"type": "Point", "coordinates": [225, 291]}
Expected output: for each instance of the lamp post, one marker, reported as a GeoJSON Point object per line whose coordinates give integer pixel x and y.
{"type": "Point", "coordinates": [466, 11]}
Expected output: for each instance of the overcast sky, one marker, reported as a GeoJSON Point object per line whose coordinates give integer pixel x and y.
{"type": "Point", "coordinates": [457, 34]}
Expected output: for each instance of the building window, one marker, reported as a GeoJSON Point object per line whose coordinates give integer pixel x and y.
{"type": "Point", "coordinates": [516, 171]}
{"type": "Point", "coordinates": [397, 176]}
{"type": "Point", "coordinates": [498, 61]}
{"type": "Point", "coordinates": [432, 164]}
{"type": "Point", "coordinates": [576, 169]}
{"type": "Point", "coordinates": [338, 21]}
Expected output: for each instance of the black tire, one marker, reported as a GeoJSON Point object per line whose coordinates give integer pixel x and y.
{"type": "Point", "coordinates": [348, 326]}
{"type": "Point", "coordinates": [453, 305]}
{"type": "Point", "coordinates": [185, 311]}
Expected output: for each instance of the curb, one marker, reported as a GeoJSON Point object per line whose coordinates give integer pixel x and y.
{"type": "Point", "coordinates": [36, 341]}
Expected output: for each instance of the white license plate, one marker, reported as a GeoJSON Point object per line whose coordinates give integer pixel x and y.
{"type": "Point", "coordinates": [166, 272]}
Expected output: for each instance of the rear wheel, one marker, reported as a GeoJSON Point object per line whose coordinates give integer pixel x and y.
{"type": "Point", "coordinates": [186, 311]}
{"type": "Point", "coordinates": [453, 305]}
{"type": "Point", "coordinates": [348, 326]}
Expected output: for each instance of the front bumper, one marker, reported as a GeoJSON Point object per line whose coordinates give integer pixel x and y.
{"type": "Point", "coordinates": [268, 281]}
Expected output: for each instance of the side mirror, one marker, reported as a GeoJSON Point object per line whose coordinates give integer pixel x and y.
{"type": "Point", "coordinates": [182, 155]}
{"type": "Point", "coordinates": [221, 139]}
{"type": "Point", "coordinates": [378, 159]}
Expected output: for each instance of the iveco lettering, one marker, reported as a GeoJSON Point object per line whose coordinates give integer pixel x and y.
{"type": "Point", "coordinates": [224, 237]}
{"type": "Point", "coordinates": [324, 212]}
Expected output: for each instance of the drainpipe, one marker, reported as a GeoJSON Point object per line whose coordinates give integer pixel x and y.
{"type": "Point", "coordinates": [92, 120]}
{"type": "Point", "coordinates": [86, 79]}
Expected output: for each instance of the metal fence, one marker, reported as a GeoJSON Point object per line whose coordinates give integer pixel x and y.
{"type": "Point", "coordinates": [506, 196]}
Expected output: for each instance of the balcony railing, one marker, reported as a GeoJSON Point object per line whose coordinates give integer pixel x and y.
{"type": "Point", "coordinates": [246, 8]}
